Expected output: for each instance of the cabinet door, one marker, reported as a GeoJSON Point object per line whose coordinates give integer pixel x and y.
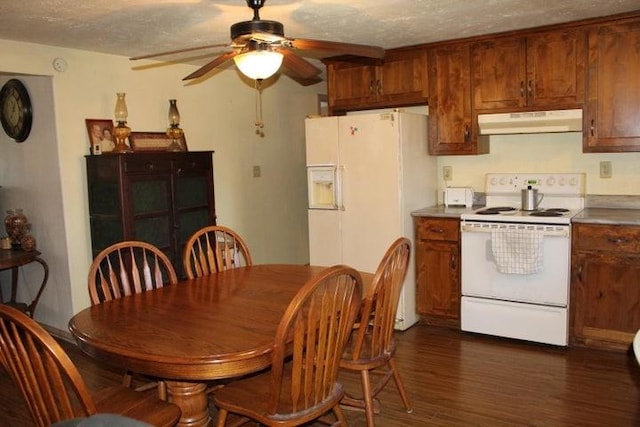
{"type": "Point", "coordinates": [194, 205]}
{"type": "Point", "coordinates": [438, 272]}
{"type": "Point", "coordinates": [403, 78]}
{"type": "Point", "coordinates": [105, 202]}
{"type": "Point", "coordinates": [450, 119]}
{"type": "Point", "coordinates": [611, 121]}
{"type": "Point", "coordinates": [151, 215]}
{"type": "Point", "coordinates": [606, 294]}
{"type": "Point", "coordinates": [499, 74]}
{"type": "Point", "coordinates": [351, 85]}
{"type": "Point", "coordinates": [556, 68]}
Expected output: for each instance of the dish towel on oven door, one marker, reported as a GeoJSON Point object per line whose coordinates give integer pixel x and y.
{"type": "Point", "coordinates": [517, 250]}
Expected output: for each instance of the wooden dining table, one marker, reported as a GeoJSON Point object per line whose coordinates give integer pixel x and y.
{"type": "Point", "coordinates": [214, 327]}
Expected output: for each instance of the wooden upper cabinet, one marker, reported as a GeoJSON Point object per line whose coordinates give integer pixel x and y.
{"type": "Point", "coordinates": [612, 110]}
{"type": "Point", "coordinates": [451, 129]}
{"type": "Point", "coordinates": [350, 85]}
{"type": "Point", "coordinates": [401, 79]}
{"type": "Point", "coordinates": [499, 74]}
{"type": "Point", "coordinates": [556, 68]}
{"type": "Point", "coordinates": [541, 70]}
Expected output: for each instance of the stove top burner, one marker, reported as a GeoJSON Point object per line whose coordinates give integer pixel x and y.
{"type": "Point", "coordinates": [550, 212]}
{"type": "Point", "coordinates": [547, 212]}
{"type": "Point", "coordinates": [496, 210]}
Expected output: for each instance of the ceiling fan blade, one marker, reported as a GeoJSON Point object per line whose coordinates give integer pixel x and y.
{"type": "Point", "coordinates": [298, 66]}
{"type": "Point", "coordinates": [304, 82]}
{"type": "Point", "coordinates": [211, 65]}
{"type": "Point", "coordinates": [337, 48]}
{"type": "Point", "coordinates": [174, 52]}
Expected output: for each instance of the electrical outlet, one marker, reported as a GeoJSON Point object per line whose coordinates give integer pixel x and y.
{"type": "Point", "coordinates": [256, 172]}
{"type": "Point", "coordinates": [606, 169]}
{"type": "Point", "coordinates": [447, 173]}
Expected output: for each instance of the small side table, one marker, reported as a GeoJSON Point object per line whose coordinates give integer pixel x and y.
{"type": "Point", "coordinates": [14, 258]}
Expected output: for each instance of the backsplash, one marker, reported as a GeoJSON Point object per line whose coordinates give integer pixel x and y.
{"type": "Point", "coordinates": [545, 153]}
{"type": "Point", "coordinates": [614, 201]}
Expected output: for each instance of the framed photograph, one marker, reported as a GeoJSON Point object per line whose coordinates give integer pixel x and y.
{"type": "Point", "coordinates": [101, 138]}
{"type": "Point", "coordinates": [153, 141]}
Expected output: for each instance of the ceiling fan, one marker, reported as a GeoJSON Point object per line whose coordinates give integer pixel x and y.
{"type": "Point", "coordinates": [259, 48]}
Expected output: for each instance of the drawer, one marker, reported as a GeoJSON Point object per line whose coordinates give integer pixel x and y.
{"type": "Point", "coordinates": [438, 229]}
{"type": "Point", "coordinates": [189, 164]}
{"type": "Point", "coordinates": [610, 238]}
{"type": "Point", "coordinates": [147, 164]}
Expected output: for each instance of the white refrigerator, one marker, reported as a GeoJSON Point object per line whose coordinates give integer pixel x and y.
{"type": "Point", "coordinates": [366, 173]}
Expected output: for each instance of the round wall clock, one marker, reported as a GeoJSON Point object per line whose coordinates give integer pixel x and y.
{"type": "Point", "coordinates": [15, 110]}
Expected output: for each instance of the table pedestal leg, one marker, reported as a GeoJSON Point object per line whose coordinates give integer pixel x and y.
{"type": "Point", "coordinates": [192, 400]}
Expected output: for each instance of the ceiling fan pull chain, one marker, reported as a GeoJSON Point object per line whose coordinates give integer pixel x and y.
{"type": "Point", "coordinates": [259, 123]}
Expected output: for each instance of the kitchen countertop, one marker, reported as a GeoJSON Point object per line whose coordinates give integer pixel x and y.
{"type": "Point", "coordinates": [442, 211]}
{"type": "Point", "coordinates": [609, 216]}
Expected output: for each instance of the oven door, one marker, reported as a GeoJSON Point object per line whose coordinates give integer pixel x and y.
{"type": "Point", "coordinates": [481, 278]}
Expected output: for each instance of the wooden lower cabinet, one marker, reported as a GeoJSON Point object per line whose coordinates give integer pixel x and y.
{"type": "Point", "coordinates": [437, 255]}
{"type": "Point", "coordinates": [605, 285]}
{"type": "Point", "coordinates": [611, 118]}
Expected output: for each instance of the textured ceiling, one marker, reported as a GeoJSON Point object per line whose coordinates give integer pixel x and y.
{"type": "Point", "coordinates": [137, 27]}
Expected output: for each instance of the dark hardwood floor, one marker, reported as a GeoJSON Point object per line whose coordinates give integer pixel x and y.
{"type": "Point", "coordinates": [458, 379]}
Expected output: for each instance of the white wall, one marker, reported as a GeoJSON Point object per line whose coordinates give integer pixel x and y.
{"type": "Point", "coordinates": [550, 153]}
{"type": "Point", "coordinates": [217, 114]}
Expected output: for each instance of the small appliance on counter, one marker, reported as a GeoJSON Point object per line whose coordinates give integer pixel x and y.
{"type": "Point", "coordinates": [458, 196]}
{"type": "Point", "coordinates": [530, 199]}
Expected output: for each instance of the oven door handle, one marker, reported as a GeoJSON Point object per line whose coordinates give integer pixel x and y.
{"type": "Point", "coordinates": [547, 230]}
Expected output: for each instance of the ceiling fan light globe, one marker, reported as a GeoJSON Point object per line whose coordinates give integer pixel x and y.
{"type": "Point", "coordinates": [258, 65]}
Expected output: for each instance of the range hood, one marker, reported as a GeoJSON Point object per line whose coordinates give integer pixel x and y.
{"type": "Point", "coordinates": [530, 122]}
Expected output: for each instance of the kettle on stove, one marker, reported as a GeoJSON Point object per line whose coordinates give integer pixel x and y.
{"type": "Point", "coordinates": [531, 199]}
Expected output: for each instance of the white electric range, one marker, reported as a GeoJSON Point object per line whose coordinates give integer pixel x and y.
{"type": "Point", "coordinates": [562, 198]}
{"type": "Point", "coordinates": [515, 265]}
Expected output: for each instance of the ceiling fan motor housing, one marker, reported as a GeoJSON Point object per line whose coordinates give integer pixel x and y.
{"type": "Point", "coordinates": [241, 31]}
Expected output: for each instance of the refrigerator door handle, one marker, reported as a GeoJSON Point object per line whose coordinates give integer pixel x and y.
{"type": "Point", "coordinates": [339, 183]}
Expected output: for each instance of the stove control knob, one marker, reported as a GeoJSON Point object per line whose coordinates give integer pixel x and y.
{"type": "Point", "coordinates": [551, 181]}
{"type": "Point", "coordinates": [573, 182]}
{"type": "Point", "coordinates": [563, 182]}
{"type": "Point", "coordinates": [493, 181]}
{"type": "Point", "coordinates": [503, 181]}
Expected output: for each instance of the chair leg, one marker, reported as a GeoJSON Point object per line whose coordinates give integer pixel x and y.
{"type": "Point", "coordinates": [126, 379]}
{"type": "Point", "coordinates": [342, 421]}
{"type": "Point", "coordinates": [162, 390]}
{"type": "Point", "coordinates": [400, 385]}
{"type": "Point", "coordinates": [222, 417]}
{"type": "Point", "coordinates": [368, 398]}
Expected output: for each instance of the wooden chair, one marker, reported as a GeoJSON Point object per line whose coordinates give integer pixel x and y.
{"type": "Point", "coordinates": [128, 268]}
{"type": "Point", "coordinates": [214, 248]}
{"type": "Point", "coordinates": [313, 333]}
{"type": "Point", "coordinates": [372, 347]}
{"type": "Point", "coordinates": [52, 386]}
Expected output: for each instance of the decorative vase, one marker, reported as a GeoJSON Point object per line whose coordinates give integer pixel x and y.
{"type": "Point", "coordinates": [28, 242]}
{"type": "Point", "coordinates": [15, 223]}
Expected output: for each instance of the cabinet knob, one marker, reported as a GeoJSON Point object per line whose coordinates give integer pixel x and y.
{"type": "Point", "coordinates": [522, 89]}
{"type": "Point", "coordinates": [179, 171]}
{"type": "Point", "coordinates": [592, 129]}
{"type": "Point", "coordinates": [617, 241]}
{"type": "Point", "coordinates": [437, 230]}
{"type": "Point", "coordinates": [467, 133]}
{"type": "Point", "coordinates": [149, 166]}
{"type": "Point", "coordinates": [530, 88]}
